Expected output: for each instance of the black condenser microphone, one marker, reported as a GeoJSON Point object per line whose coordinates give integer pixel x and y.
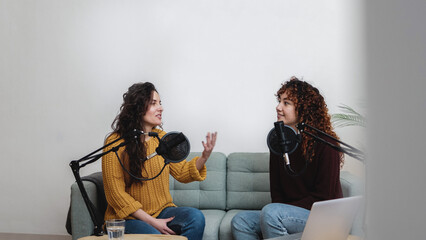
{"type": "Point", "coordinates": [165, 147]}
{"type": "Point", "coordinates": [174, 147]}
{"type": "Point", "coordinates": [283, 140]}
{"type": "Point", "coordinates": [287, 144]}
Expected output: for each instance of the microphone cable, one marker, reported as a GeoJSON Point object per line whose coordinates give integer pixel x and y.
{"type": "Point", "coordinates": [138, 178]}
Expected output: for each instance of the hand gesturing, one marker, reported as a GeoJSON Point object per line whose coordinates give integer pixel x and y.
{"type": "Point", "coordinates": [209, 144]}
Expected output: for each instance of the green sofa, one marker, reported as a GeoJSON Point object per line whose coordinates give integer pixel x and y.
{"type": "Point", "coordinates": [234, 183]}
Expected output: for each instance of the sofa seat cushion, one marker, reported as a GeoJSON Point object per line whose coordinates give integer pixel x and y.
{"type": "Point", "coordinates": [225, 232]}
{"type": "Point", "coordinates": [213, 221]}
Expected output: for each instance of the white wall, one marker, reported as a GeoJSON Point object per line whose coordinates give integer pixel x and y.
{"type": "Point", "coordinates": [64, 66]}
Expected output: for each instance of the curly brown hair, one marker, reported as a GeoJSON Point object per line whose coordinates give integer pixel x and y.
{"type": "Point", "coordinates": [135, 105]}
{"type": "Point", "coordinates": [310, 109]}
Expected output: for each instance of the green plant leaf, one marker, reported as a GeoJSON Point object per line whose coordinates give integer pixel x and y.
{"type": "Point", "coordinates": [349, 117]}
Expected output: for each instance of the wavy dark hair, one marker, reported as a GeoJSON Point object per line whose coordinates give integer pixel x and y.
{"type": "Point", "coordinates": [310, 109]}
{"type": "Point", "coordinates": [135, 104]}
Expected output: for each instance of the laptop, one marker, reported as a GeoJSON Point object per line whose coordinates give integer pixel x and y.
{"type": "Point", "coordinates": [328, 220]}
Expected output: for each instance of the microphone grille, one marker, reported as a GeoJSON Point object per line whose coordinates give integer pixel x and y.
{"type": "Point", "coordinates": [178, 152]}
{"type": "Point", "coordinates": [276, 145]}
{"type": "Point", "coordinates": [273, 143]}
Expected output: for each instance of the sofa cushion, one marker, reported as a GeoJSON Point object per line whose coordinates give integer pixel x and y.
{"type": "Point", "coordinates": [213, 221]}
{"type": "Point", "coordinates": [353, 186]}
{"type": "Point", "coordinates": [81, 222]}
{"type": "Point", "coordinates": [248, 181]}
{"type": "Point", "coordinates": [207, 194]}
{"type": "Point", "coordinates": [225, 232]}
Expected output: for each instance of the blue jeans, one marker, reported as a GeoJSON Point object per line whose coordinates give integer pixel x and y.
{"type": "Point", "coordinates": [188, 222]}
{"type": "Point", "coordinates": [274, 220]}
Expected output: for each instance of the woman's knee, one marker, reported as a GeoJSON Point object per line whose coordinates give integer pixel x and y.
{"type": "Point", "coordinates": [194, 216]}
{"type": "Point", "coordinates": [288, 217]}
{"type": "Point", "coordinates": [273, 210]}
{"type": "Point", "coordinates": [282, 210]}
{"type": "Point", "coordinates": [236, 220]}
{"type": "Point", "coordinates": [245, 220]}
{"type": "Point", "coordinates": [198, 217]}
{"type": "Point", "coordinates": [239, 217]}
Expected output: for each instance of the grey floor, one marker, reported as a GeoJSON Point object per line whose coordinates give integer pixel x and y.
{"type": "Point", "coordinates": [19, 236]}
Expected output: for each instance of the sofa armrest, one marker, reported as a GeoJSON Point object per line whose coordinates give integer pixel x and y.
{"type": "Point", "coordinates": [81, 222]}
{"type": "Point", "coordinates": [351, 184]}
{"type": "Point", "coordinates": [354, 186]}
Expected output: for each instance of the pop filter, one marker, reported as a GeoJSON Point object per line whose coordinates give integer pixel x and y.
{"type": "Point", "coordinates": [174, 147]}
{"type": "Point", "coordinates": [282, 139]}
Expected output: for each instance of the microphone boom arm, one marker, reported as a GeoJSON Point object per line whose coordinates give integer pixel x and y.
{"type": "Point", "coordinates": [91, 158]}
{"type": "Point", "coordinates": [88, 159]}
{"type": "Point", "coordinates": [346, 148]}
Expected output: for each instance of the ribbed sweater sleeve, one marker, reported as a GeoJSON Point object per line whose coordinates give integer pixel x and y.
{"type": "Point", "coordinates": [186, 172]}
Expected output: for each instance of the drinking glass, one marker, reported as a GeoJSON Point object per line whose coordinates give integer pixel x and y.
{"type": "Point", "coordinates": [115, 229]}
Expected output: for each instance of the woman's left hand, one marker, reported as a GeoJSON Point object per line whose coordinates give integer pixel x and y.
{"type": "Point", "coordinates": [208, 148]}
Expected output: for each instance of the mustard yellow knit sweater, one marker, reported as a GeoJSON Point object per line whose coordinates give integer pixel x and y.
{"type": "Point", "coordinates": [152, 196]}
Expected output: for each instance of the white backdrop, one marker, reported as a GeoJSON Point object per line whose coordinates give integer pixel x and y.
{"type": "Point", "coordinates": [64, 66]}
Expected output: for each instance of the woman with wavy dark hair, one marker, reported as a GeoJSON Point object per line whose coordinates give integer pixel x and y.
{"type": "Point", "coordinates": [318, 166]}
{"type": "Point", "coordinates": [147, 206]}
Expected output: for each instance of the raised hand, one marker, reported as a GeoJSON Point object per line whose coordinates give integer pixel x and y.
{"type": "Point", "coordinates": [209, 144]}
{"type": "Point", "coordinates": [208, 148]}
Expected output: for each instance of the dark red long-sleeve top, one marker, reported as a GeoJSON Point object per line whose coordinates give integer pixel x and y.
{"type": "Point", "coordinates": [320, 181]}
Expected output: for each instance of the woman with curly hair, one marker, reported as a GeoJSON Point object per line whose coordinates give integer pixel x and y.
{"type": "Point", "coordinates": [147, 206]}
{"type": "Point", "coordinates": [318, 166]}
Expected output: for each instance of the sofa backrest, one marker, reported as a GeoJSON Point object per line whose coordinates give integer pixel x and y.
{"type": "Point", "coordinates": [238, 181]}
{"type": "Point", "coordinates": [207, 194]}
{"type": "Point", "coordinates": [248, 181]}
